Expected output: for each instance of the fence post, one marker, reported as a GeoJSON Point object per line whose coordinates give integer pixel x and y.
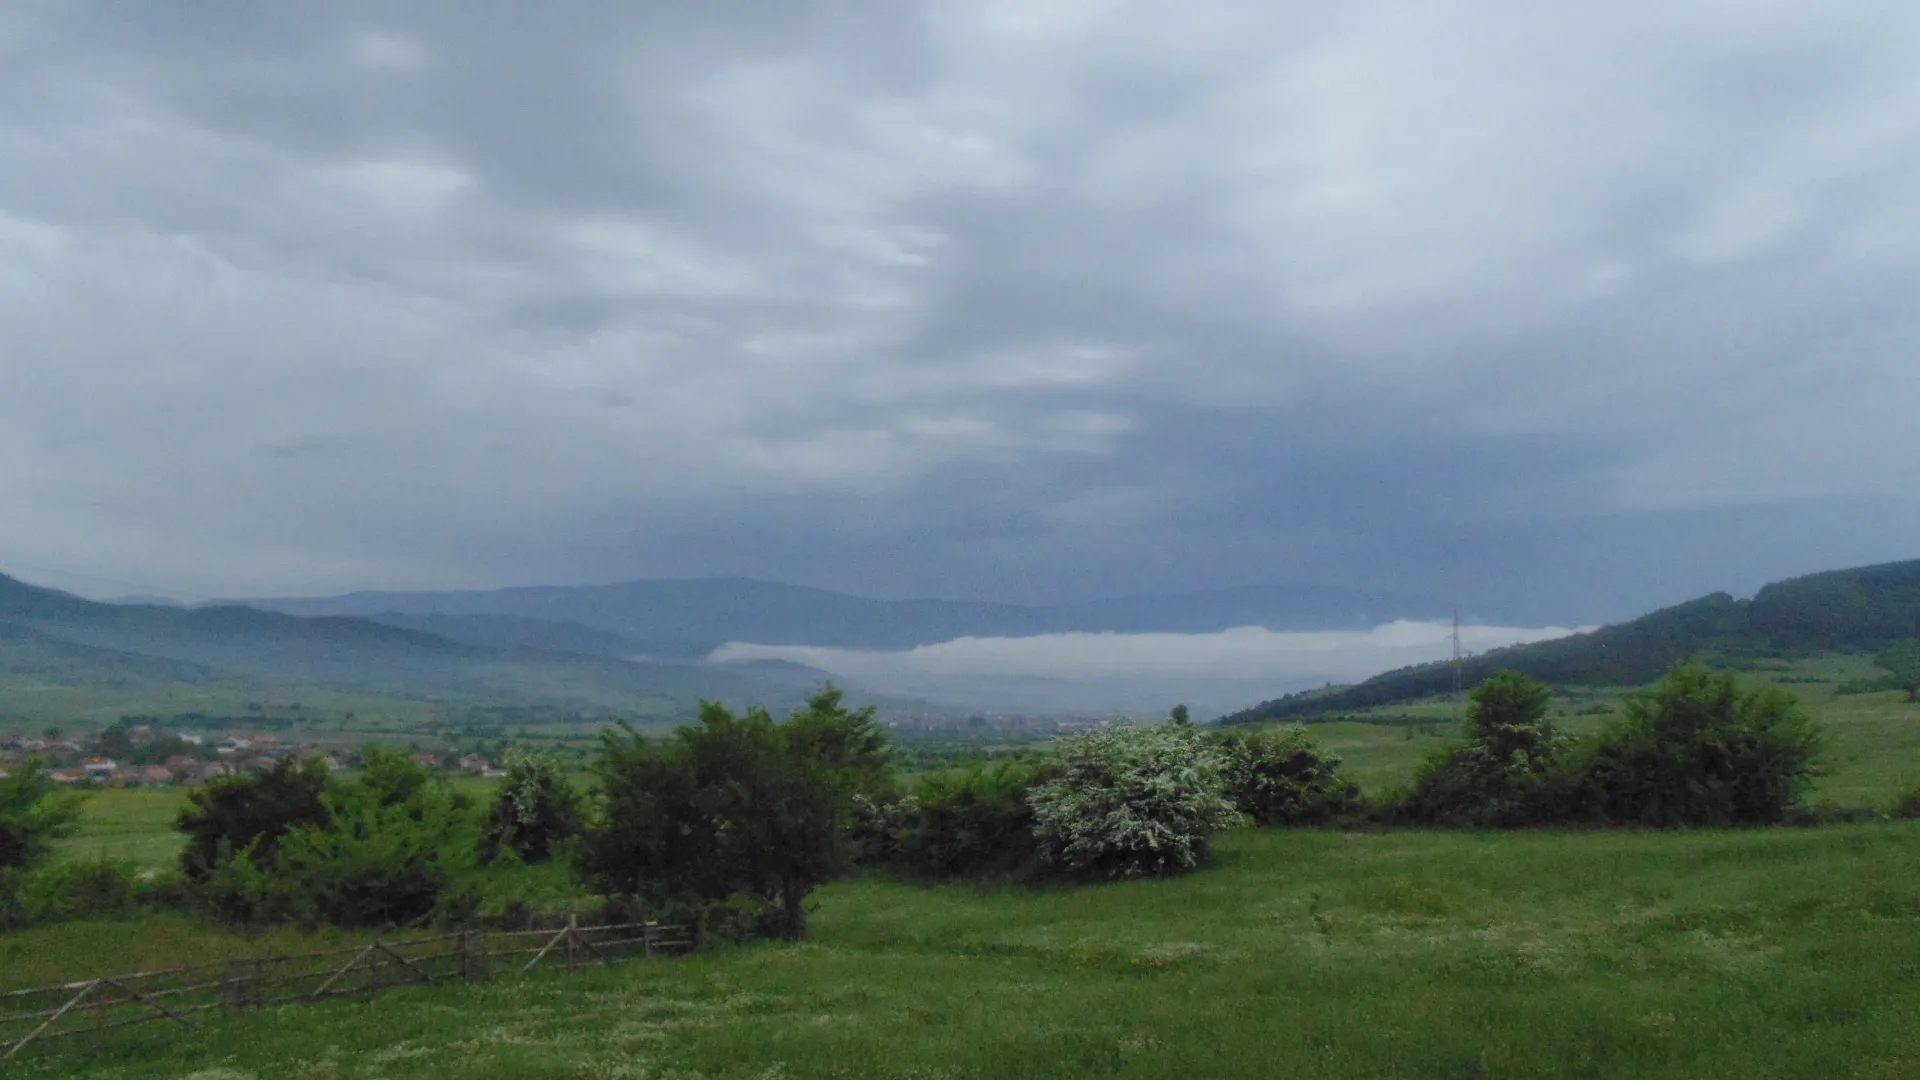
{"type": "Point", "coordinates": [473, 955]}
{"type": "Point", "coordinates": [241, 987]}
{"type": "Point", "coordinates": [573, 939]}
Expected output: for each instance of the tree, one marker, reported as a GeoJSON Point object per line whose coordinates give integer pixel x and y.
{"type": "Point", "coordinates": [1508, 719]}
{"type": "Point", "coordinates": [248, 815]}
{"type": "Point", "coordinates": [533, 811]}
{"type": "Point", "coordinates": [850, 743]}
{"type": "Point", "coordinates": [1902, 661]}
{"type": "Point", "coordinates": [33, 814]}
{"type": "Point", "coordinates": [1502, 775]}
{"type": "Point", "coordinates": [395, 844]}
{"type": "Point", "coordinates": [1180, 716]}
{"type": "Point", "coordinates": [1698, 750]}
{"type": "Point", "coordinates": [1132, 802]}
{"type": "Point", "coordinates": [737, 818]}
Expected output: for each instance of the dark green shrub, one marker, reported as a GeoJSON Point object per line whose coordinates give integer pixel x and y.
{"type": "Point", "coordinates": [736, 819]}
{"type": "Point", "coordinates": [33, 814]}
{"type": "Point", "coordinates": [248, 815]}
{"type": "Point", "coordinates": [395, 843]}
{"type": "Point", "coordinates": [102, 888]}
{"type": "Point", "coordinates": [1698, 750]}
{"type": "Point", "coordinates": [393, 847]}
{"type": "Point", "coordinates": [967, 823]}
{"type": "Point", "coordinates": [1280, 777]}
{"type": "Point", "coordinates": [1505, 773]}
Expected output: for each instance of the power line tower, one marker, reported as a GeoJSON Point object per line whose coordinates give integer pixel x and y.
{"type": "Point", "coordinates": [1459, 657]}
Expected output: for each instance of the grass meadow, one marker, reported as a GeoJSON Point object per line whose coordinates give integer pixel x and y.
{"type": "Point", "coordinates": [1771, 953]}
{"type": "Point", "coordinates": [1307, 953]}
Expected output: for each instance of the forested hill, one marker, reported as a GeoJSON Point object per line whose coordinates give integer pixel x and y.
{"type": "Point", "coordinates": [1860, 608]}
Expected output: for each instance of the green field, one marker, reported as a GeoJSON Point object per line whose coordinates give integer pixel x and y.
{"type": "Point", "coordinates": [1776, 953]}
{"type": "Point", "coordinates": [1872, 757]}
{"type": "Point", "coordinates": [135, 824]}
{"type": "Point", "coordinates": [1311, 953]}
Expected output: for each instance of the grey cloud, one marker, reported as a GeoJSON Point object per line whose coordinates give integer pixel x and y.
{"type": "Point", "coordinates": [1555, 310]}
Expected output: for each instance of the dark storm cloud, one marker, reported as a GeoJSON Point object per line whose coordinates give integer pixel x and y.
{"type": "Point", "coordinates": [1553, 313]}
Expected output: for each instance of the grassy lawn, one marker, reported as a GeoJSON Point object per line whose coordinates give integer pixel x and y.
{"type": "Point", "coordinates": [1781, 953]}
{"type": "Point", "coordinates": [129, 823]}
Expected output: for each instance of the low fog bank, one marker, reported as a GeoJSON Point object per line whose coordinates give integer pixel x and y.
{"type": "Point", "coordinates": [1137, 673]}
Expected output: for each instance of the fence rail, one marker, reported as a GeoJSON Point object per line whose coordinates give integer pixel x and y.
{"type": "Point", "coordinates": [176, 995]}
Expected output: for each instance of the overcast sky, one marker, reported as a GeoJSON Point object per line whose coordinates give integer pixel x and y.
{"type": "Point", "coordinates": [1553, 311]}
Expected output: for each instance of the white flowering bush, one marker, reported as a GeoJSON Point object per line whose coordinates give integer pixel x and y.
{"type": "Point", "coordinates": [1132, 802]}
{"type": "Point", "coordinates": [534, 809]}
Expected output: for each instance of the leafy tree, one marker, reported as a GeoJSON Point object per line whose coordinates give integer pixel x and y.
{"type": "Point", "coordinates": [388, 848]}
{"type": "Point", "coordinates": [1132, 802]}
{"type": "Point", "coordinates": [1280, 777]}
{"type": "Point", "coordinates": [1504, 774]}
{"type": "Point", "coordinates": [1698, 750]}
{"type": "Point", "coordinates": [33, 814]}
{"type": "Point", "coordinates": [736, 818]}
{"type": "Point", "coordinates": [850, 743]}
{"type": "Point", "coordinates": [534, 810]}
{"type": "Point", "coordinates": [1508, 721]}
{"type": "Point", "coordinates": [394, 848]}
{"type": "Point", "coordinates": [248, 815]}
{"type": "Point", "coordinates": [1180, 716]}
{"type": "Point", "coordinates": [390, 777]}
{"type": "Point", "coordinates": [1902, 661]}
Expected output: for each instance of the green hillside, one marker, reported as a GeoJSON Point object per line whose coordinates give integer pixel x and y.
{"type": "Point", "coordinates": [1843, 609]}
{"type": "Point", "coordinates": [67, 659]}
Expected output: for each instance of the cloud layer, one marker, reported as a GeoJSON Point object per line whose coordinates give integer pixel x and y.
{"type": "Point", "coordinates": [1139, 673]}
{"type": "Point", "coordinates": [1554, 312]}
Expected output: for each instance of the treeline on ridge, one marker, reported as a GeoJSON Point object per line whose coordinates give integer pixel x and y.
{"type": "Point", "coordinates": [1863, 608]}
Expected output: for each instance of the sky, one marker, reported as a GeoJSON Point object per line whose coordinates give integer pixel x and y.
{"type": "Point", "coordinates": [1553, 312]}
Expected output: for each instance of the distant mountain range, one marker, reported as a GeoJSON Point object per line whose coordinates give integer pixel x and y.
{"type": "Point", "coordinates": [688, 619]}
{"type": "Point", "coordinates": [51, 637]}
{"type": "Point", "coordinates": [1862, 608]}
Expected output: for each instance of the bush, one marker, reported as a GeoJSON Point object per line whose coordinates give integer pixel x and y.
{"type": "Point", "coordinates": [1132, 802]}
{"type": "Point", "coordinates": [33, 814]}
{"type": "Point", "coordinates": [102, 888]}
{"type": "Point", "coordinates": [734, 821]}
{"type": "Point", "coordinates": [1505, 775]}
{"type": "Point", "coordinates": [1280, 777]}
{"type": "Point", "coordinates": [968, 823]}
{"type": "Point", "coordinates": [1697, 750]}
{"type": "Point", "coordinates": [394, 847]}
{"type": "Point", "coordinates": [390, 853]}
{"type": "Point", "coordinates": [534, 811]}
{"type": "Point", "coordinates": [248, 815]}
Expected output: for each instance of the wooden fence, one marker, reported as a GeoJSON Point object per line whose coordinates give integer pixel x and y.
{"type": "Point", "coordinates": [176, 995]}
